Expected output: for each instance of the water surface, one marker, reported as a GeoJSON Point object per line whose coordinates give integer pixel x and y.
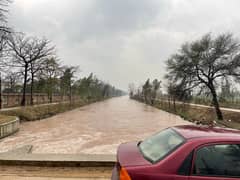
{"type": "Point", "coordinates": [93, 129]}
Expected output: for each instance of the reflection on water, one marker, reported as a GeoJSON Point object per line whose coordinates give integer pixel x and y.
{"type": "Point", "coordinates": [95, 129]}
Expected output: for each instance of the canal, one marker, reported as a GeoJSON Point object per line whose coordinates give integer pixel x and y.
{"type": "Point", "coordinates": [93, 129]}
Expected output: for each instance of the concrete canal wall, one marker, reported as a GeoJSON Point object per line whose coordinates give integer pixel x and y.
{"type": "Point", "coordinates": [9, 128]}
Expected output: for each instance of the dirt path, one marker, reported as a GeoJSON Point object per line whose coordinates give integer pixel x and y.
{"type": "Point", "coordinates": [94, 129]}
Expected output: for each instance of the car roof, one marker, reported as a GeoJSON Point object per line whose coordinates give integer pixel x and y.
{"type": "Point", "coordinates": [194, 131]}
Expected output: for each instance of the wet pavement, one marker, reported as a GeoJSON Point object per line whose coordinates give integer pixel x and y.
{"type": "Point", "coordinates": [93, 129]}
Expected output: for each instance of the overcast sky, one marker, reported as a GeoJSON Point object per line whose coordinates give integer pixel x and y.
{"type": "Point", "coordinates": [123, 41]}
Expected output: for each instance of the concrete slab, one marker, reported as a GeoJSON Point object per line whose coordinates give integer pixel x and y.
{"type": "Point", "coordinates": [66, 160]}
{"type": "Point", "coordinates": [23, 156]}
{"type": "Point", "coordinates": [20, 164]}
{"type": "Point", "coordinates": [53, 173]}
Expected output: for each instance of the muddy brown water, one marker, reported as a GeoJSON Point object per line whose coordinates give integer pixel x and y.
{"type": "Point", "coordinates": [93, 129]}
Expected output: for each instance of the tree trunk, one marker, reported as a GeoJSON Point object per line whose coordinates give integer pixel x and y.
{"type": "Point", "coordinates": [70, 93]}
{"type": "Point", "coordinates": [174, 104]}
{"type": "Point", "coordinates": [169, 103]}
{"type": "Point", "coordinates": [23, 102]}
{"type": "Point", "coordinates": [51, 98]}
{"type": "Point", "coordinates": [153, 98]}
{"type": "Point", "coordinates": [32, 86]}
{"type": "Point", "coordinates": [145, 98]}
{"type": "Point", "coordinates": [1, 103]}
{"type": "Point", "coordinates": [50, 90]}
{"type": "Point", "coordinates": [216, 103]}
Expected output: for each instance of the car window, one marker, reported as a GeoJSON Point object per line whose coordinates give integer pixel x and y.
{"type": "Point", "coordinates": [218, 160]}
{"type": "Point", "coordinates": [158, 146]}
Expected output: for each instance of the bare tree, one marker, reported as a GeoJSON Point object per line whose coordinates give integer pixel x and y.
{"type": "Point", "coordinates": [67, 80]}
{"type": "Point", "coordinates": [26, 51]}
{"type": "Point", "coordinates": [35, 67]}
{"type": "Point", "coordinates": [156, 85]}
{"type": "Point", "coordinates": [146, 91]}
{"type": "Point", "coordinates": [51, 71]}
{"type": "Point", "coordinates": [4, 33]}
{"type": "Point", "coordinates": [3, 18]}
{"type": "Point", "coordinates": [131, 89]}
{"type": "Point", "coordinates": [203, 63]}
{"type": "Point", "coordinates": [11, 80]}
{"type": "Point", "coordinates": [4, 29]}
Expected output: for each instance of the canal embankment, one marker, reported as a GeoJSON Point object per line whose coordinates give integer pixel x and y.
{"type": "Point", "coordinates": [8, 125]}
{"type": "Point", "coordinates": [198, 114]}
{"type": "Point", "coordinates": [38, 112]}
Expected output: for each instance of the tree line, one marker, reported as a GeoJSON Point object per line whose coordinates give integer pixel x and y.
{"type": "Point", "coordinates": [29, 64]}
{"type": "Point", "coordinates": [147, 92]}
{"type": "Point", "coordinates": [204, 67]}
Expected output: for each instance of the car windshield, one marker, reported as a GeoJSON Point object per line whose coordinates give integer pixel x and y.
{"type": "Point", "coordinates": [161, 144]}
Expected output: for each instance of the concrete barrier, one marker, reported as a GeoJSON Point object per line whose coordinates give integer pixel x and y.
{"type": "Point", "coordinates": [9, 128]}
{"type": "Point", "coordinates": [61, 160]}
{"type": "Point", "coordinates": [23, 157]}
{"type": "Point", "coordinates": [58, 160]}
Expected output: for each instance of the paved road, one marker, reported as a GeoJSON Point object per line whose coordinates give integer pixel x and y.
{"type": "Point", "coordinates": [205, 106]}
{"type": "Point", "coordinates": [93, 129]}
{"type": "Point", "coordinates": [222, 108]}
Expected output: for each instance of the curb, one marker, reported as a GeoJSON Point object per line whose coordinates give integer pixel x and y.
{"type": "Point", "coordinates": [23, 157]}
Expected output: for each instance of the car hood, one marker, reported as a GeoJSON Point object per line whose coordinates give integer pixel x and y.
{"type": "Point", "coordinates": [130, 155]}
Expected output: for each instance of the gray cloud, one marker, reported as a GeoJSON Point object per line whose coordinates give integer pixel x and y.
{"type": "Point", "coordinates": [123, 41]}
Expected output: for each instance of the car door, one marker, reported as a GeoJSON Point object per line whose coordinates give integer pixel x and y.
{"type": "Point", "coordinates": [185, 168]}
{"type": "Point", "coordinates": [216, 162]}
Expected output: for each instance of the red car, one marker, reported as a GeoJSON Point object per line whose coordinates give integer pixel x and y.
{"type": "Point", "coordinates": [181, 153]}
